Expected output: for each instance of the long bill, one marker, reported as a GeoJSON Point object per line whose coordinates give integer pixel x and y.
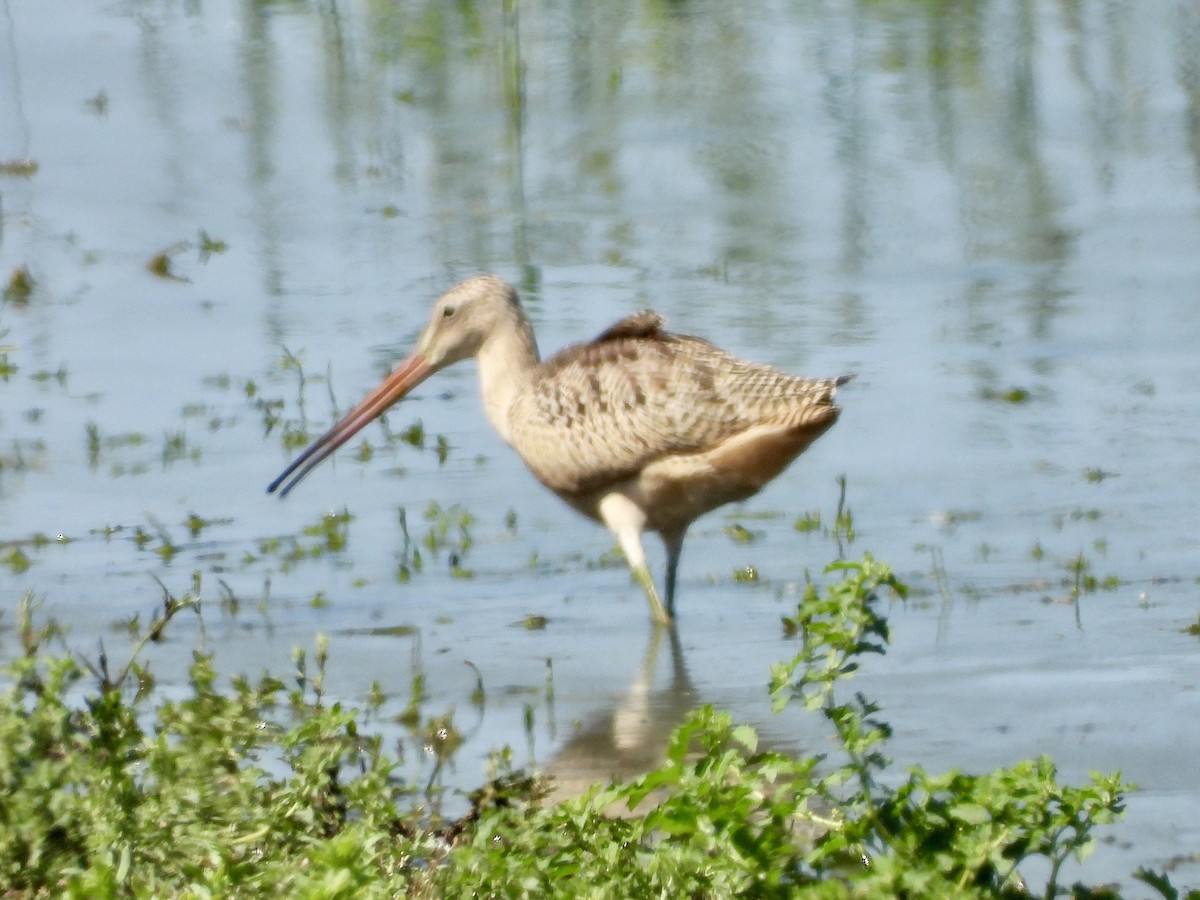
{"type": "Point", "coordinates": [403, 379]}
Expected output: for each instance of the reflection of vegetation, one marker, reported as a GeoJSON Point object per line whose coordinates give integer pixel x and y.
{"type": "Point", "coordinates": [162, 262]}
{"type": "Point", "coordinates": [258, 788]}
{"type": "Point", "coordinates": [20, 286]}
{"type": "Point", "coordinates": [328, 536]}
{"type": "Point", "coordinates": [23, 456]}
{"type": "Point", "coordinates": [209, 245]}
{"type": "Point", "coordinates": [843, 520]}
{"type": "Point", "coordinates": [175, 447]}
{"type": "Point", "coordinates": [23, 168]}
{"type": "Point", "coordinates": [44, 376]}
{"type": "Point", "coordinates": [809, 522]}
{"type": "Point", "coordinates": [1084, 581]}
{"type": "Point", "coordinates": [450, 531]}
{"type": "Point", "coordinates": [842, 529]}
{"type": "Point", "coordinates": [533, 622]}
{"type": "Point", "coordinates": [746, 575]}
{"type": "Point", "coordinates": [1014, 395]}
{"type": "Point", "coordinates": [15, 560]}
{"type": "Point", "coordinates": [740, 534]}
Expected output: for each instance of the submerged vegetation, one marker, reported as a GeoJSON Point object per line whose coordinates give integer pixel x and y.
{"type": "Point", "coordinates": [20, 286]}
{"type": "Point", "coordinates": [266, 786]}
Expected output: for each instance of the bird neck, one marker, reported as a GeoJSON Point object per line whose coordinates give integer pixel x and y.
{"type": "Point", "coordinates": [507, 362]}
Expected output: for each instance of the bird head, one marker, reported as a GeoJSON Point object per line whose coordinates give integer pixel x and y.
{"type": "Point", "coordinates": [464, 317]}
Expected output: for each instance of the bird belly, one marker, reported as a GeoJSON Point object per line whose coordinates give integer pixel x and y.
{"type": "Point", "coordinates": [676, 490]}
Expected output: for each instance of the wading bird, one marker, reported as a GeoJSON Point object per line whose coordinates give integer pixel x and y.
{"type": "Point", "coordinates": [639, 429]}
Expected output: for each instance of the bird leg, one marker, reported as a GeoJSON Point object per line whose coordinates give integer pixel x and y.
{"type": "Point", "coordinates": [658, 610]}
{"type": "Point", "coordinates": [626, 521]}
{"type": "Point", "coordinates": [674, 545]}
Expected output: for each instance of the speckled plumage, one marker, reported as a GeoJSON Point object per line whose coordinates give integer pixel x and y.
{"type": "Point", "coordinates": [605, 413]}
{"type": "Point", "coordinates": [639, 429]}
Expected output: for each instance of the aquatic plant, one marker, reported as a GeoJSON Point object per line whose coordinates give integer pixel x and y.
{"type": "Point", "coordinates": [19, 287]}
{"type": "Point", "coordinates": [269, 786]}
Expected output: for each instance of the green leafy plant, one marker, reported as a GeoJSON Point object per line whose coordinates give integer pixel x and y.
{"type": "Point", "coordinates": [250, 790]}
{"type": "Point", "coordinates": [268, 787]}
{"type": "Point", "coordinates": [723, 818]}
{"type": "Point", "coordinates": [932, 835]}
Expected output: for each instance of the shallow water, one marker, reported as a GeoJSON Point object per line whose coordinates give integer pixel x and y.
{"type": "Point", "coordinates": [964, 207]}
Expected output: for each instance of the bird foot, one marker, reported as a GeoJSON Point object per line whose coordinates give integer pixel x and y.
{"type": "Point", "coordinates": [658, 610]}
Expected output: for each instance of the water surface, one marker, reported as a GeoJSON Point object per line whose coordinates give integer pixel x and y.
{"type": "Point", "coordinates": [990, 214]}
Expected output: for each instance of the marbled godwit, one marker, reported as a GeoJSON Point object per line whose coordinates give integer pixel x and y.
{"type": "Point", "coordinates": [638, 429]}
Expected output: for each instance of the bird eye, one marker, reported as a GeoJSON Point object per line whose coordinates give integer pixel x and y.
{"type": "Point", "coordinates": [447, 312]}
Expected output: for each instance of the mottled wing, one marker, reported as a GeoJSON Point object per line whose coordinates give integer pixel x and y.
{"type": "Point", "coordinates": [602, 411]}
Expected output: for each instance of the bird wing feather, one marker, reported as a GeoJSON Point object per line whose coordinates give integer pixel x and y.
{"type": "Point", "coordinates": [601, 411]}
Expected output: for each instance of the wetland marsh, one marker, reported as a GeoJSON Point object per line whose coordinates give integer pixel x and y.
{"type": "Point", "coordinates": [223, 222]}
